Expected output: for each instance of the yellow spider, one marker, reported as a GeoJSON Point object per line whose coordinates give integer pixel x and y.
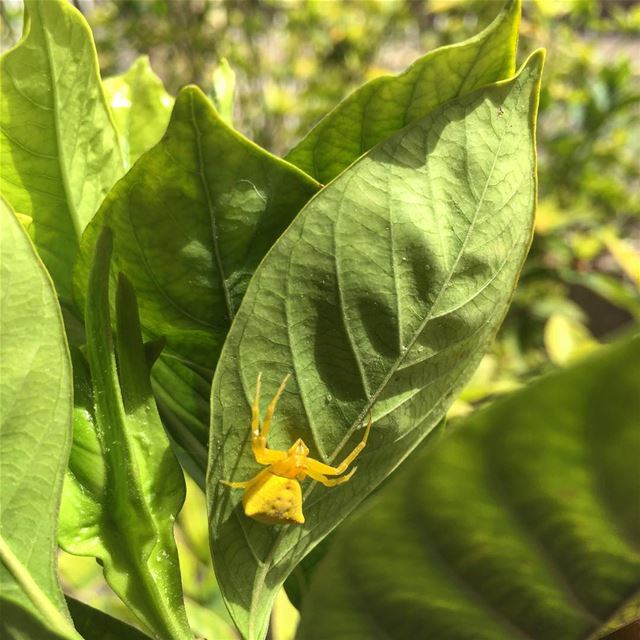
{"type": "Point", "coordinates": [274, 495]}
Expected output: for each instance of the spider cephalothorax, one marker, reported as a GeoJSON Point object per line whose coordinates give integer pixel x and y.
{"type": "Point", "coordinates": [274, 495]}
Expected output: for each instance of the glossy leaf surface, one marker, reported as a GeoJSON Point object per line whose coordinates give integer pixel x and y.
{"type": "Point", "coordinates": [124, 486]}
{"type": "Point", "coordinates": [141, 107]}
{"type": "Point", "coordinates": [58, 145]}
{"type": "Point", "coordinates": [191, 221]}
{"type": "Point", "coordinates": [520, 524]}
{"type": "Point", "coordinates": [389, 103]}
{"type": "Point", "coordinates": [35, 436]}
{"type": "Point", "coordinates": [382, 296]}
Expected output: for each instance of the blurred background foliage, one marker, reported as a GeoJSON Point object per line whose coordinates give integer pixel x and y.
{"type": "Point", "coordinates": [293, 60]}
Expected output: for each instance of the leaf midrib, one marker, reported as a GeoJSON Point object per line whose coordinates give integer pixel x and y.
{"type": "Point", "coordinates": [62, 163]}
{"type": "Point", "coordinates": [499, 491]}
{"type": "Point", "coordinates": [36, 595]}
{"type": "Point", "coordinates": [471, 592]}
{"type": "Point", "coordinates": [212, 218]}
{"type": "Point", "coordinates": [431, 314]}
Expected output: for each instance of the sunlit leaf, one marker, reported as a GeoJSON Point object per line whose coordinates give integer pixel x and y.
{"type": "Point", "coordinates": [141, 107]}
{"type": "Point", "coordinates": [389, 103]}
{"type": "Point", "coordinates": [625, 254]}
{"type": "Point", "coordinates": [35, 436]}
{"type": "Point", "coordinates": [58, 145]}
{"type": "Point", "coordinates": [566, 338]}
{"type": "Point", "coordinates": [224, 87]}
{"type": "Point", "coordinates": [381, 296]}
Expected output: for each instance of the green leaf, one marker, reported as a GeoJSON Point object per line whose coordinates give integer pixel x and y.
{"type": "Point", "coordinates": [97, 625]}
{"type": "Point", "coordinates": [141, 107]}
{"type": "Point", "coordinates": [58, 146]}
{"type": "Point", "coordinates": [523, 523]}
{"type": "Point", "coordinates": [191, 221]}
{"type": "Point", "coordinates": [124, 486]}
{"type": "Point", "coordinates": [35, 436]}
{"type": "Point", "coordinates": [381, 296]}
{"type": "Point", "coordinates": [387, 104]}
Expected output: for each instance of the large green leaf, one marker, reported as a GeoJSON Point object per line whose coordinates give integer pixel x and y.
{"type": "Point", "coordinates": [382, 296]}
{"type": "Point", "coordinates": [140, 105]}
{"type": "Point", "coordinates": [523, 523]}
{"type": "Point", "coordinates": [35, 436]}
{"type": "Point", "coordinates": [124, 486]}
{"type": "Point", "coordinates": [58, 145]}
{"type": "Point", "coordinates": [389, 103]}
{"type": "Point", "coordinates": [191, 221]}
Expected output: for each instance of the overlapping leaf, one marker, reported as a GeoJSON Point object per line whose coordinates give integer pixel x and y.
{"type": "Point", "coordinates": [58, 145]}
{"type": "Point", "coordinates": [141, 107]}
{"type": "Point", "coordinates": [97, 625]}
{"type": "Point", "coordinates": [387, 104]}
{"type": "Point", "coordinates": [381, 296]}
{"type": "Point", "coordinates": [124, 486]}
{"type": "Point", "coordinates": [191, 221]}
{"type": "Point", "coordinates": [35, 436]}
{"type": "Point", "coordinates": [524, 523]}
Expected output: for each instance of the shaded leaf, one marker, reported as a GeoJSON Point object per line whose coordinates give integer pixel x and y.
{"type": "Point", "coordinates": [382, 295]}
{"type": "Point", "coordinates": [140, 105]}
{"type": "Point", "coordinates": [94, 624]}
{"type": "Point", "coordinates": [58, 145]}
{"type": "Point", "coordinates": [520, 524]}
{"type": "Point", "coordinates": [124, 486]}
{"type": "Point", "coordinates": [191, 221]}
{"type": "Point", "coordinates": [387, 104]}
{"type": "Point", "coordinates": [35, 436]}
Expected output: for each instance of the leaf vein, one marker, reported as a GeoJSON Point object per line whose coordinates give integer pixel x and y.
{"type": "Point", "coordinates": [214, 227]}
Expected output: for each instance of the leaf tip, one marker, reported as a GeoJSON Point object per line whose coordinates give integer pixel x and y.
{"type": "Point", "coordinates": [534, 64]}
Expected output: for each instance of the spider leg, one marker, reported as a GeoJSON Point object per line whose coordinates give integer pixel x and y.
{"type": "Point", "coordinates": [246, 483]}
{"type": "Point", "coordinates": [320, 467]}
{"type": "Point", "coordinates": [235, 485]}
{"type": "Point", "coordinates": [255, 409]}
{"type": "Point", "coordinates": [261, 452]}
{"type": "Point", "coordinates": [329, 482]}
{"type": "Point", "coordinates": [264, 431]}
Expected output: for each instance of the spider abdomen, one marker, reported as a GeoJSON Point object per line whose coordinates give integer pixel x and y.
{"type": "Point", "coordinates": [274, 500]}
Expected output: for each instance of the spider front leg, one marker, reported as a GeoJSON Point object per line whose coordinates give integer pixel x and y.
{"type": "Point", "coordinates": [246, 483]}
{"type": "Point", "coordinates": [317, 467]}
{"type": "Point", "coordinates": [260, 433]}
{"type": "Point", "coordinates": [236, 485]}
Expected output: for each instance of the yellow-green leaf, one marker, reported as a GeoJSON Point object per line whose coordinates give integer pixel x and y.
{"type": "Point", "coordinates": [59, 147]}
{"type": "Point", "coordinates": [141, 107]}
{"type": "Point", "coordinates": [387, 104]}
{"type": "Point", "coordinates": [36, 397]}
